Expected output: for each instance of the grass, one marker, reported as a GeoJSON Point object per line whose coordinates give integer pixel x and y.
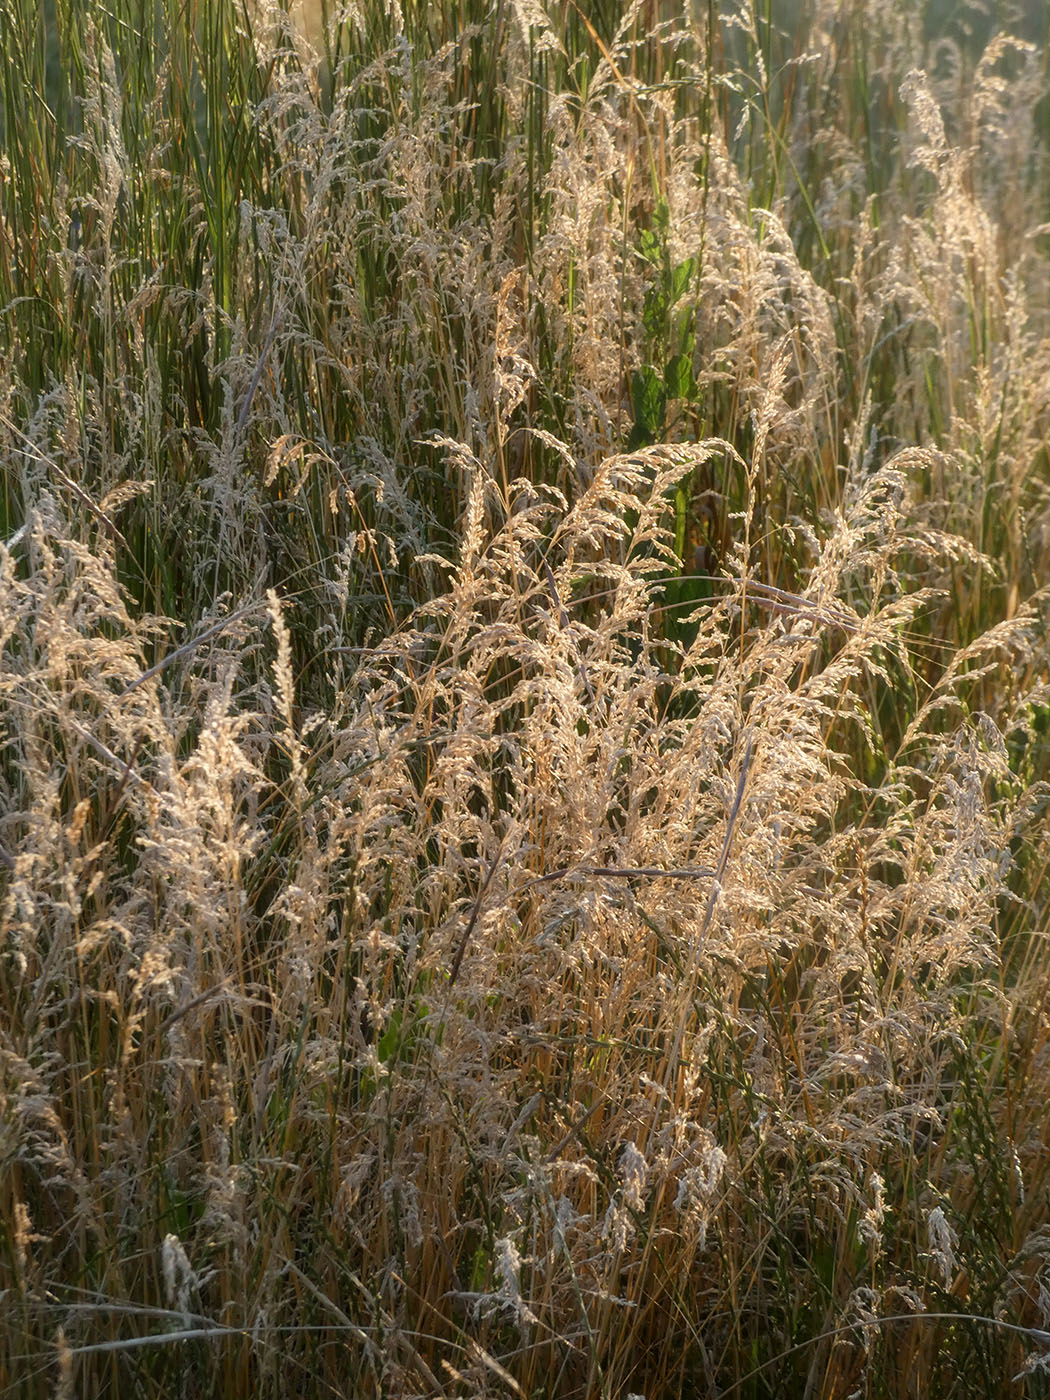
{"type": "Point", "coordinates": [526, 717]}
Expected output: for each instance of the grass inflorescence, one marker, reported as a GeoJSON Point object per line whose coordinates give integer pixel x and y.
{"type": "Point", "coordinates": [524, 543]}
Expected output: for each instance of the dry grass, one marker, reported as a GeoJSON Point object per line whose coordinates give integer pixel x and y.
{"type": "Point", "coordinates": [525, 701]}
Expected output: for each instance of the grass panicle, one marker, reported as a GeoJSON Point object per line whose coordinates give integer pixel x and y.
{"type": "Point", "coordinates": [524, 540]}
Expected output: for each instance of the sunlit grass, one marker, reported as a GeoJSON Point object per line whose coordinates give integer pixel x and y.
{"type": "Point", "coordinates": [524, 681]}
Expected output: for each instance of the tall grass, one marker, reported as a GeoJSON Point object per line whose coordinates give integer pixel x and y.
{"type": "Point", "coordinates": [523, 844]}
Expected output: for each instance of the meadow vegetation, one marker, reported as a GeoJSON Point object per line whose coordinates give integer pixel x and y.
{"type": "Point", "coordinates": [524, 546]}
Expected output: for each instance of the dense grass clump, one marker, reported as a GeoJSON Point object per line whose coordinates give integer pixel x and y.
{"type": "Point", "coordinates": [524, 695]}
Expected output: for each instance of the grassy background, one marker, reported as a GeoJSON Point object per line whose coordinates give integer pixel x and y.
{"type": "Point", "coordinates": [524, 680]}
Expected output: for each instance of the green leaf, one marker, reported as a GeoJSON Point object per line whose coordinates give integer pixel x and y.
{"type": "Point", "coordinates": [650, 245]}
{"type": "Point", "coordinates": [678, 377]}
{"type": "Point", "coordinates": [389, 1041]}
{"type": "Point", "coordinates": [681, 276]}
{"type": "Point", "coordinates": [681, 520]}
{"type": "Point", "coordinates": [649, 401]}
{"type": "Point", "coordinates": [479, 1270]}
{"type": "Point", "coordinates": [654, 313]}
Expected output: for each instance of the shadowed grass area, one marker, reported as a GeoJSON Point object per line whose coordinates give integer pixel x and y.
{"type": "Point", "coordinates": [524, 537]}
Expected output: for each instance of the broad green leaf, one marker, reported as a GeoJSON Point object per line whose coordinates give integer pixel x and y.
{"type": "Point", "coordinates": [389, 1041]}
{"type": "Point", "coordinates": [681, 276]}
{"type": "Point", "coordinates": [649, 245]}
{"type": "Point", "coordinates": [654, 313]}
{"type": "Point", "coordinates": [649, 400]}
{"type": "Point", "coordinates": [678, 377]}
